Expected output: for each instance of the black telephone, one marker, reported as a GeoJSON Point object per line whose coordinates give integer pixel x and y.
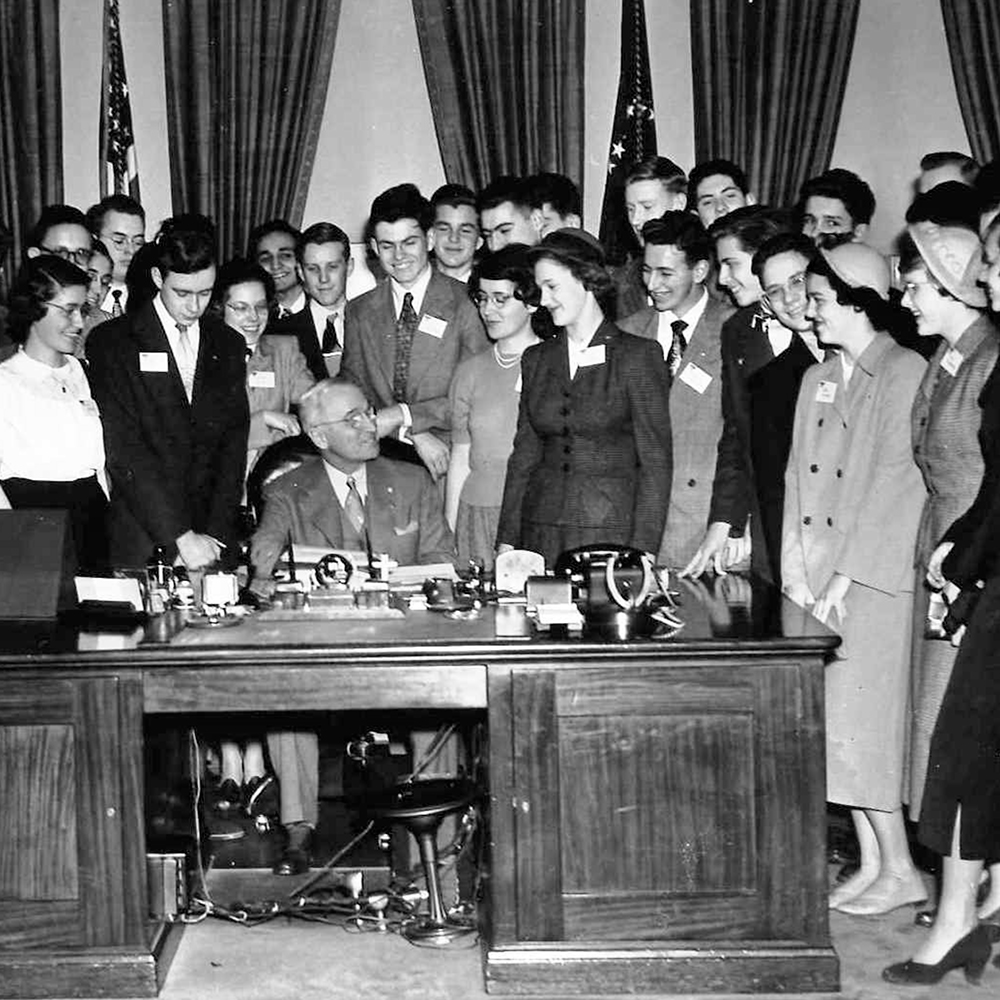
{"type": "Point", "coordinates": [607, 579]}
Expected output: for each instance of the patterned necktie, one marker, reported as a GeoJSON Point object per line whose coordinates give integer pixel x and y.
{"type": "Point", "coordinates": [353, 507]}
{"type": "Point", "coordinates": [406, 327]}
{"type": "Point", "coordinates": [331, 342]}
{"type": "Point", "coordinates": [116, 306]}
{"type": "Point", "coordinates": [677, 346]}
{"type": "Point", "coordinates": [185, 360]}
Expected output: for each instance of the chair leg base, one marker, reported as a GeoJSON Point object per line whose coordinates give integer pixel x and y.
{"type": "Point", "coordinates": [427, 931]}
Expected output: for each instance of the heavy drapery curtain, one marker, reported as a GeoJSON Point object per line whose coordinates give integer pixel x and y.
{"type": "Point", "coordinates": [769, 80]}
{"type": "Point", "coordinates": [246, 88]}
{"type": "Point", "coordinates": [30, 115]}
{"type": "Point", "coordinates": [973, 31]}
{"type": "Point", "coordinates": [505, 79]}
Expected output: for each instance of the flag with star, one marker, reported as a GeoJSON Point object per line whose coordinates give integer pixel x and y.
{"type": "Point", "coordinates": [119, 171]}
{"type": "Point", "coordinates": [633, 135]}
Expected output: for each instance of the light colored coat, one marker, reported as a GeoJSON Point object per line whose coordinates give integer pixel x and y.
{"type": "Point", "coordinates": [853, 497]}
{"type": "Point", "coordinates": [280, 355]}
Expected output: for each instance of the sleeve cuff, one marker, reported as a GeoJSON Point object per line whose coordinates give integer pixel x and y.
{"type": "Point", "coordinates": [404, 431]}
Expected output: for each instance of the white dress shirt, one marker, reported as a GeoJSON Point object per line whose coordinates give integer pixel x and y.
{"type": "Point", "coordinates": [665, 332]}
{"type": "Point", "coordinates": [338, 480]}
{"type": "Point", "coordinates": [169, 325]}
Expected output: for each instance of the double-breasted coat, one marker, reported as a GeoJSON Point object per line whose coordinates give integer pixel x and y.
{"type": "Point", "coordinates": [853, 497]}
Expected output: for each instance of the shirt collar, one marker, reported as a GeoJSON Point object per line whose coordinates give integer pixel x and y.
{"type": "Point", "coordinates": [692, 317]}
{"type": "Point", "coordinates": [320, 314]}
{"type": "Point", "coordinates": [338, 480]}
{"type": "Point", "coordinates": [169, 324]}
{"type": "Point", "coordinates": [418, 291]}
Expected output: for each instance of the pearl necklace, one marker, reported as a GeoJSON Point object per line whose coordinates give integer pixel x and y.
{"type": "Point", "coordinates": [505, 360]}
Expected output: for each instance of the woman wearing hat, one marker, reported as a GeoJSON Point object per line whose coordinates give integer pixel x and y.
{"type": "Point", "coordinates": [852, 504]}
{"type": "Point", "coordinates": [940, 266]}
{"type": "Point", "coordinates": [591, 462]}
{"type": "Point", "coordinates": [960, 809]}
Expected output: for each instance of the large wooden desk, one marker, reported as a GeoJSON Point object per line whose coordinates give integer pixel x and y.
{"type": "Point", "coordinates": [657, 817]}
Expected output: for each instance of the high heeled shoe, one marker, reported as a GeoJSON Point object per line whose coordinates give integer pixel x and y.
{"type": "Point", "coordinates": [970, 954]}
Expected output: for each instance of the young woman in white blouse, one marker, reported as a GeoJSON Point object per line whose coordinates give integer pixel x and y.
{"type": "Point", "coordinates": [51, 439]}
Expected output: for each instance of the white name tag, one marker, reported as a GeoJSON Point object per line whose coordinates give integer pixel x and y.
{"type": "Point", "coordinates": [826, 392]}
{"type": "Point", "coordinates": [432, 326]}
{"type": "Point", "coordinates": [952, 361]}
{"type": "Point", "coordinates": [696, 377]}
{"type": "Point", "coordinates": [592, 356]}
{"type": "Point", "coordinates": [153, 361]}
{"type": "Point", "coordinates": [261, 380]}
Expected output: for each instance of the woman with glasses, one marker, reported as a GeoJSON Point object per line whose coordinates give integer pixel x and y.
{"type": "Point", "coordinates": [51, 439]}
{"type": "Point", "coordinates": [485, 392]}
{"type": "Point", "coordinates": [277, 373]}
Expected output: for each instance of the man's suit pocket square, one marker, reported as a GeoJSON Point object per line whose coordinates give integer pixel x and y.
{"type": "Point", "coordinates": [406, 529]}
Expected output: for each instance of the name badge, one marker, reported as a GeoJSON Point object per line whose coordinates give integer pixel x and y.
{"type": "Point", "coordinates": [696, 377]}
{"type": "Point", "coordinates": [517, 384]}
{"type": "Point", "coordinates": [432, 326]}
{"type": "Point", "coordinates": [826, 392]}
{"type": "Point", "coordinates": [153, 361]}
{"type": "Point", "coordinates": [261, 380]}
{"type": "Point", "coordinates": [592, 356]}
{"type": "Point", "coordinates": [952, 361]}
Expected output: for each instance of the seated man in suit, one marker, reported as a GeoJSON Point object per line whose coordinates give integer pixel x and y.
{"type": "Point", "coordinates": [323, 264]}
{"type": "Point", "coordinates": [336, 499]}
{"type": "Point", "coordinates": [272, 245]}
{"type": "Point", "coordinates": [404, 339]}
{"type": "Point", "coordinates": [688, 325]}
{"type": "Point", "coordinates": [170, 383]}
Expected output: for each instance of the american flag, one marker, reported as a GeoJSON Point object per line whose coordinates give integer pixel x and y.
{"type": "Point", "coordinates": [119, 170]}
{"type": "Point", "coordinates": [633, 135]}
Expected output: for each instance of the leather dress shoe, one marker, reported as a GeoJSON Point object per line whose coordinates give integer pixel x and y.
{"type": "Point", "coordinates": [294, 859]}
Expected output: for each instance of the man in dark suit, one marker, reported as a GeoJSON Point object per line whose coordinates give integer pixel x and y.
{"type": "Point", "coordinates": [751, 338]}
{"type": "Point", "coordinates": [170, 383]}
{"type": "Point", "coordinates": [687, 323]}
{"type": "Point", "coordinates": [323, 263]}
{"type": "Point", "coordinates": [335, 500]}
{"type": "Point", "coordinates": [404, 338]}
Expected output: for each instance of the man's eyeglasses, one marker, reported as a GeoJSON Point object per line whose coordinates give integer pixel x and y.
{"type": "Point", "coordinates": [355, 419]}
{"type": "Point", "coordinates": [68, 311]}
{"type": "Point", "coordinates": [793, 288]}
{"type": "Point", "coordinates": [79, 257]}
{"type": "Point", "coordinates": [120, 241]}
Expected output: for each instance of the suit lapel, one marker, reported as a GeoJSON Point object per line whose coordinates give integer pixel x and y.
{"type": "Point", "coordinates": [150, 337]}
{"type": "Point", "coordinates": [706, 348]}
{"type": "Point", "coordinates": [319, 504]}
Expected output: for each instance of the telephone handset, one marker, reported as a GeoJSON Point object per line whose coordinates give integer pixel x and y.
{"type": "Point", "coordinates": [607, 578]}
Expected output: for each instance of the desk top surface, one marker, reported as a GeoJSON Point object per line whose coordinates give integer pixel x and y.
{"type": "Point", "coordinates": [721, 614]}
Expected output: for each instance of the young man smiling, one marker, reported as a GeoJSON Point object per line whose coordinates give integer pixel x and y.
{"type": "Point", "coordinates": [404, 338]}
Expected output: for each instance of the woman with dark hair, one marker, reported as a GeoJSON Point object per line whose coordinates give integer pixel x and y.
{"type": "Point", "coordinates": [853, 497]}
{"type": "Point", "coordinates": [277, 373]}
{"type": "Point", "coordinates": [51, 439]}
{"type": "Point", "coordinates": [485, 391]}
{"type": "Point", "coordinates": [960, 810]}
{"type": "Point", "coordinates": [592, 455]}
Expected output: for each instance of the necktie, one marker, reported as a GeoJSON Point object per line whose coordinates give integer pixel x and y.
{"type": "Point", "coordinates": [331, 342]}
{"type": "Point", "coordinates": [406, 327]}
{"type": "Point", "coordinates": [116, 306]}
{"type": "Point", "coordinates": [353, 507]}
{"type": "Point", "coordinates": [677, 346]}
{"type": "Point", "coordinates": [185, 360]}
{"type": "Point", "coordinates": [283, 312]}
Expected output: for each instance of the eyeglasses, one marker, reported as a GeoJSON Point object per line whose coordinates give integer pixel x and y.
{"type": "Point", "coordinates": [499, 299]}
{"type": "Point", "coordinates": [243, 310]}
{"type": "Point", "coordinates": [355, 419]}
{"type": "Point", "coordinates": [120, 241]}
{"type": "Point", "coordinates": [81, 257]}
{"type": "Point", "coordinates": [68, 311]}
{"type": "Point", "coordinates": [794, 287]}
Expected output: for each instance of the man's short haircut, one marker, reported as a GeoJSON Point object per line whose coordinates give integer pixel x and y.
{"type": "Point", "coordinates": [556, 190]}
{"type": "Point", "coordinates": [710, 168]}
{"type": "Point", "coordinates": [848, 188]}
{"type": "Point", "coordinates": [123, 203]}
{"type": "Point", "coordinates": [967, 166]}
{"type": "Point", "coordinates": [322, 232]}
{"type": "Point", "coordinates": [265, 229]}
{"type": "Point", "coordinates": [782, 243]}
{"type": "Point", "coordinates": [454, 196]}
{"type": "Point", "coordinates": [502, 189]}
{"type": "Point", "coordinates": [52, 216]}
{"type": "Point", "coordinates": [751, 226]}
{"type": "Point", "coordinates": [183, 251]}
{"type": "Point", "coordinates": [404, 201]}
{"type": "Point", "coordinates": [682, 230]}
{"type": "Point", "coordinates": [659, 168]}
